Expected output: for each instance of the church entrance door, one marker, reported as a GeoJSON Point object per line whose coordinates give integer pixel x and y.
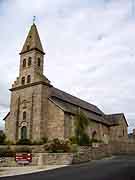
{"type": "Point", "coordinates": [24, 132]}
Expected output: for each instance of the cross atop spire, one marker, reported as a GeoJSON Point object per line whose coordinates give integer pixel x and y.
{"type": "Point", "coordinates": [34, 19]}
{"type": "Point", "coordinates": [32, 41]}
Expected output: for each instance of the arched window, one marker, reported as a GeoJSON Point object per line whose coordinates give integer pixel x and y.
{"type": "Point", "coordinates": [24, 63]}
{"type": "Point", "coordinates": [24, 115]}
{"type": "Point", "coordinates": [28, 79]}
{"type": "Point", "coordinates": [39, 62]}
{"type": "Point", "coordinates": [23, 80]}
{"type": "Point", "coordinates": [24, 132]}
{"type": "Point", "coordinates": [29, 61]}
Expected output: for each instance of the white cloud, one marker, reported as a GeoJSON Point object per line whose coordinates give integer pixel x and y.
{"type": "Point", "coordinates": [90, 42]}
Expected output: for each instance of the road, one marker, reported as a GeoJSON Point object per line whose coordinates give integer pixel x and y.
{"type": "Point", "coordinates": [118, 168]}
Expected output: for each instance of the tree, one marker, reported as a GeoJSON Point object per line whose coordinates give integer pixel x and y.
{"type": "Point", "coordinates": [81, 123]}
{"type": "Point", "coordinates": [2, 138]}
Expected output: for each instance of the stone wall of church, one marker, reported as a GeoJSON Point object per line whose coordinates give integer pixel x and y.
{"type": "Point", "coordinates": [100, 131]}
{"type": "Point", "coordinates": [28, 100]}
{"type": "Point", "coordinates": [69, 124]}
{"type": "Point", "coordinates": [11, 121]}
{"type": "Point", "coordinates": [44, 111]}
{"type": "Point", "coordinates": [103, 132]}
{"type": "Point", "coordinates": [55, 125]}
{"type": "Point", "coordinates": [7, 126]}
{"type": "Point", "coordinates": [119, 132]}
{"type": "Point", "coordinates": [36, 113]}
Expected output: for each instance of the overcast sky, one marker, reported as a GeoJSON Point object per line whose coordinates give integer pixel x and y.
{"type": "Point", "coordinates": [89, 45]}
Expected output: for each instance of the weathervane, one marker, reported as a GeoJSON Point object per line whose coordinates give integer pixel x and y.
{"type": "Point", "coordinates": [34, 19]}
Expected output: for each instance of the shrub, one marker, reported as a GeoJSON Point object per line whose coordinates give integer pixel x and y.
{"type": "Point", "coordinates": [6, 152]}
{"type": "Point", "coordinates": [95, 141]}
{"type": "Point", "coordinates": [2, 138]}
{"type": "Point", "coordinates": [74, 148]}
{"type": "Point", "coordinates": [24, 142]}
{"type": "Point", "coordinates": [44, 140]}
{"type": "Point", "coordinates": [9, 142]}
{"type": "Point", "coordinates": [81, 124]}
{"type": "Point", "coordinates": [23, 150]}
{"type": "Point", "coordinates": [58, 146]}
{"type": "Point", "coordinates": [84, 140]}
{"type": "Point", "coordinates": [41, 142]}
{"type": "Point", "coordinates": [73, 140]}
{"type": "Point", "coordinates": [37, 143]}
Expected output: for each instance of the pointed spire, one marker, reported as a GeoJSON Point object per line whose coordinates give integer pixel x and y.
{"type": "Point", "coordinates": [32, 41]}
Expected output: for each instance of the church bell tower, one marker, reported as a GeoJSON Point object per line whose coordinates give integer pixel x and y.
{"type": "Point", "coordinates": [32, 59]}
{"type": "Point", "coordinates": [29, 93]}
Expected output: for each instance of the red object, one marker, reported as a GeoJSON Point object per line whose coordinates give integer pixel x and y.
{"type": "Point", "coordinates": [23, 158]}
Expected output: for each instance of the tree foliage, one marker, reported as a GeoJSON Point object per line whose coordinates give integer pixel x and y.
{"type": "Point", "coordinates": [57, 146]}
{"type": "Point", "coordinates": [24, 142]}
{"type": "Point", "coordinates": [2, 138]}
{"type": "Point", "coordinates": [81, 124]}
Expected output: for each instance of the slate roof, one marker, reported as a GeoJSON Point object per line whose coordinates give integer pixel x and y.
{"type": "Point", "coordinates": [73, 109]}
{"type": "Point", "coordinates": [74, 100]}
{"type": "Point", "coordinates": [32, 41]}
{"type": "Point", "coordinates": [114, 118]}
{"type": "Point", "coordinates": [70, 104]}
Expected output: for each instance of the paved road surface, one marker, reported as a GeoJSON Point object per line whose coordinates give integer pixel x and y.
{"type": "Point", "coordinates": [120, 168]}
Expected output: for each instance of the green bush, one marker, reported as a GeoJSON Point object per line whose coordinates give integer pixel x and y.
{"type": "Point", "coordinates": [24, 142]}
{"type": "Point", "coordinates": [95, 141]}
{"type": "Point", "coordinates": [2, 139]}
{"type": "Point", "coordinates": [74, 148]}
{"type": "Point", "coordinates": [83, 140]}
{"type": "Point", "coordinates": [9, 142]}
{"type": "Point", "coordinates": [23, 150]}
{"type": "Point", "coordinates": [81, 123]}
{"type": "Point", "coordinates": [73, 140]}
{"type": "Point", "coordinates": [58, 146]}
{"type": "Point", "coordinates": [41, 142]}
{"type": "Point", "coordinates": [37, 143]}
{"type": "Point", "coordinates": [44, 140]}
{"type": "Point", "coordinates": [7, 152]}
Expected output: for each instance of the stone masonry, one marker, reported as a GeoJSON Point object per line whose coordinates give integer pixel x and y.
{"type": "Point", "coordinates": [39, 110]}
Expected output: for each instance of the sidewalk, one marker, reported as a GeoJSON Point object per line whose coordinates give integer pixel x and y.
{"type": "Point", "coordinates": [12, 171]}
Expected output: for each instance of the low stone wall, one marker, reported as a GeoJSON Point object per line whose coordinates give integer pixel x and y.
{"type": "Point", "coordinates": [123, 148]}
{"type": "Point", "coordinates": [84, 154]}
{"type": "Point", "coordinates": [41, 159]}
{"type": "Point", "coordinates": [88, 153]}
{"type": "Point", "coordinates": [8, 162]}
{"type": "Point", "coordinates": [55, 158]}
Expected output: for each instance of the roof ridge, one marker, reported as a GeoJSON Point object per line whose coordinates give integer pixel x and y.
{"type": "Point", "coordinates": [114, 114]}
{"type": "Point", "coordinates": [75, 100]}
{"type": "Point", "coordinates": [75, 97]}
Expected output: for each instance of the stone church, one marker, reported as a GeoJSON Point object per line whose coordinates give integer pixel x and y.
{"type": "Point", "coordinates": [38, 109]}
